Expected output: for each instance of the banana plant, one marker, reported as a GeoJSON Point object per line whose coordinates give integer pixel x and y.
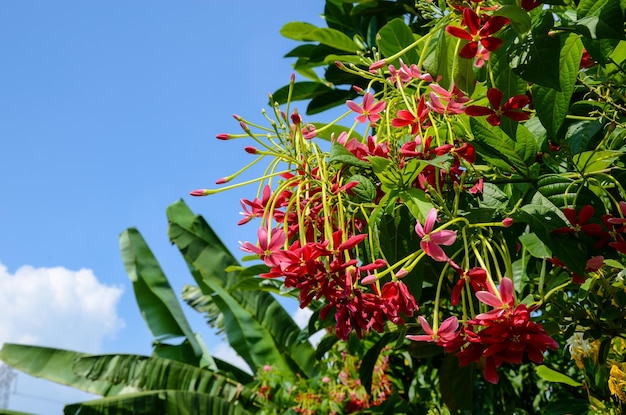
{"type": "Point", "coordinates": [182, 377]}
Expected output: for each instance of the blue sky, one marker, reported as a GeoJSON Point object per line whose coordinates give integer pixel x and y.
{"type": "Point", "coordinates": [108, 113]}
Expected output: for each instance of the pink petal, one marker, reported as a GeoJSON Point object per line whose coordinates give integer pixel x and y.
{"type": "Point", "coordinates": [430, 220]}
{"type": "Point", "coordinates": [507, 291]}
{"type": "Point", "coordinates": [368, 99]}
{"type": "Point", "coordinates": [425, 326]}
{"type": "Point", "coordinates": [444, 237]}
{"type": "Point", "coordinates": [489, 299]}
{"type": "Point", "coordinates": [354, 106]}
{"type": "Point", "coordinates": [434, 251]}
{"type": "Point", "coordinates": [419, 230]}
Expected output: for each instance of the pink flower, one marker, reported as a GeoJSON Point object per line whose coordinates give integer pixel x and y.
{"type": "Point", "coordinates": [503, 300]}
{"type": "Point", "coordinates": [431, 240]}
{"type": "Point", "coordinates": [270, 244]}
{"type": "Point", "coordinates": [370, 110]}
{"type": "Point", "coordinates": [446, 333]}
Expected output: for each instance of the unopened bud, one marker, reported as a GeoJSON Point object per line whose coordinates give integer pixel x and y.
{"type": "Point", "coordinates": [251, 150]}
{"type": "Point", "coordinates": [199, 192]}
{"type": "Point", "coordinates": [377, 65]}
{"type": "Point", "coordinates": [222, 180]}
{"type": "Point", "coordinates": [237, 117]}
{"type": "Point", "coordinates": [223, 136]}
{"type": "Point", "coordinates": [358, 89]}
{"type": "Point", "coordinates": [507, 222]}
{"type": "Point", "coordinates": [244, 126]}
{"type": "Point", "coordinates": [402, 273]}
{"type": "Point", "coordinates": [295, 118]}
{"type": "Point", "coordinates": [370, 279]}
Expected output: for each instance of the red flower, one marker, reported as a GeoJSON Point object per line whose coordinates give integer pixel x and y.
{"type": "Point", "coordinates": [475, 34]}
{"type": "Point", "coordinates": [476, 277]}
{"type": "Point", "coordinates": [512, 108]}
{"type": "Point", "coordinates": [580, 224]}
{"type": "Point", "coordinates": [398, 299]}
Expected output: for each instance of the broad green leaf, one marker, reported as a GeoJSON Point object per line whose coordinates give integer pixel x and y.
{"type": "Point", "coordinates": [394, 37]}
{"type": "Point", "coordinates": [365, 190]}
{"type": "Point", "coordinates": [526, 144]}
{"type": "Point", "coordinates": [417, 201]}
{"type": "Point", "coordinates": [561, 191]}
{"type": "Point", "coordinates": [440, 52]}
{"type": "Point", "coordinates": [505, 79]}
{"type": "Point", "coordinates": [492, 143]}
{"type": "Point", "coordinates": [309, 33]}
{"type": "Point", "coordinates": [171, 402]}
{"type": "Point", "coordinates": [257, 326]}
{"type": "Point", "coordinates": [456, 384]}
{"type": "Point", "coordinates": [552, 105]}
{"type": "Point", "coordinates": [519, 18]}
{"type": "Point", "coordinates": [534, 245]}
{"type": "Point", "coordinates": [463, 74]}
{"type": "Point", "coordinates": [552, 375]}
{"type": "Point", "coordinates": [159, 305]}
{"type": "Point", "coordinates": [580, 134]}
{"type": "Point", "coordinates": [536, 58]}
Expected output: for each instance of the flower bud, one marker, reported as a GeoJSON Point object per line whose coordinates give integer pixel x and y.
{"type": "Point", "coordinates": [507, 222]}
{"type": "Point", "coordinates": [199, 192]}
{"type": "Point", "coordinates": [377, 65]}
{"type": "Point", "coordinates": [251, 150]}
{"type": "Point", "coordinates": [222, 180]}
{"type": "Point", "coordinates": [370, 279]}
{"type": "Point", "coordinates": [223, 136]}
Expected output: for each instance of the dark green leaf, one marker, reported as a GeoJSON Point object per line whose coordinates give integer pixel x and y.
{"type": "Point", "coordinates": [329, 99]}
{"type": "Point", "coordinates": [580, 134]}
{"type": "Point", "coordinates": [301, 91]}
{"type": "Point", "coordinates": [519, 18]}
{"type": "Point", "coordinates": [536, 58]}
{"type": "Point", "coordinates": [551, 104]}
{"type": "Point", "coordinates": [340, 154]}
{"type": "Point", "coordinates": [492, 143]}
{"type": "Point", "coordinates": [309, 33]}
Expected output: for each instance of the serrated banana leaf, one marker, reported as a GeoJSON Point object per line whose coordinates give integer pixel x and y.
{"type": "Point", "coordinates": [257, 326]}
{"type": "Point", "coordinates": [171, 402]}
{"type": "Point", "coordinates": [112, 375]}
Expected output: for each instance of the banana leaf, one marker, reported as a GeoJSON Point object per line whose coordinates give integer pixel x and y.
{"type": "Point", "coordinates": [171, 402]}
{"type": "Point", "coordinates": [113, 375]}
{"type": "Point", "coordinates": [159, 305]}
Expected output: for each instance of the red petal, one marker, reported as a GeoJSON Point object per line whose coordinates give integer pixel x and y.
{"type": "Point", "coordinates": [470, 18]}
{"type": "Point", "coordinates": [491, 43]}
{"type": "Point", "coordinates": [517, 115]}
{"type": "Point", "coordinates": [495, 97]}
{"type": "Point", "coordinates": [516, 102]}
{"type": "Point", "coordinates": [493, 25]}
{"type": "Point", "coordinates": [458, 32]}
{"type": "Point", "coordinates": [493, 119]}
{"type": "Point", "coordinates": [469, 51]}
{"type": "Point", "coordinates": [477, 111]}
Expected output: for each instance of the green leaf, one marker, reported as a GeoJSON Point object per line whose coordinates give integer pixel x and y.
{"type": "Point", "coordinates": [463, 75]}
{"type": "Point", "coordinates": [493, 144]}
{"type": "Point", "coordinates": [257, 326]}
{"type": "Point", "coordinates": [534, 245]}
{"type": "Point", "coordinates": [536, 58]}
{"type": "Point", "coordinates": [309, 33]}
{"type": "Point", "coordinates": [552, 105]}
{"type": "Point", "coordinates": [394, 37]}
{"type": "Point", "coordinates": [552, 375]}
{"type": "Point", "coordinates": [158, 303]}
{"type": "Point", "coordinates": [172, 402]}
{"type": "Point", "coordinates": [340, 154]}
{"type": "Point", "coordinates": [365, 190]}
{"type": "Point", "coordinates": [505, 79]}
{"type": "Point", "coordinates": [457, 384]}
{"type": "Point", "coordinates": [579, 134]}
{"type": "Point", "coordinates": [519, 18]}
{"type": "Point", "coordinates": [440, 52]}
{"type": "Point", "coordinates": [594, 161]}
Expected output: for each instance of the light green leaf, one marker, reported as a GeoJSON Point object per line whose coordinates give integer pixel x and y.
{"type": "Point", "coordinates": [340, 154]}
{"type": "Point", "coordinates": [534, 246]}
{"type": "Point", "coordinates": [552, 105]}
{"type": "Point", "coordinates": [440, 52]}
{"type": "Point", "coordinates": [552, 375]}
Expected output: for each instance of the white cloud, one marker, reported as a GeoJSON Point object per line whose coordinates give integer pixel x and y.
{"type": "Point", "coordinates": [301, 317]}
{"type": "Point", "coordinates": [224, 352]}
{"type": "Point", "coordinates": [57, 307]}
